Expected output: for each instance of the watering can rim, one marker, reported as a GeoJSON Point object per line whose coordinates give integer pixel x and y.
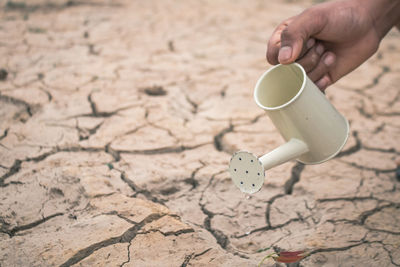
{"type": "Point", "coordinates": [303, 85]}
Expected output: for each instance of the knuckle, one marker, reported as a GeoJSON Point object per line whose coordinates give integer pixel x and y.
{"type": "Point", "coordinates": [287, 34]}
{"type": "Point", "coordinates": [315, 14]}
{"type": "Point", "coordinates": [314, 59]}
{"type": "Point", "coordinates": [310, 61]}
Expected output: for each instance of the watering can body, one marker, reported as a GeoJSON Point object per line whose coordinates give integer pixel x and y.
{"type": "Point", "coordinates": [299, 110]}
{"type": "Point", "coordinates": [313, 129]}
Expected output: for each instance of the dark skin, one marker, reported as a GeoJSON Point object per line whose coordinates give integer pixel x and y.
{"type": "Point", "coordinates": [332, 39]}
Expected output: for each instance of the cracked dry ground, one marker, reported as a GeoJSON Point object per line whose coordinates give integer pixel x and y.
{"type": "Point", "coordinates": [118, 120]}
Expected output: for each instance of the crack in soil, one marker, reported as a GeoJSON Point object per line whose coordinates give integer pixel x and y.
{"type": "Point", "coordinates": [219, 236]}
{"type": "Point", "coordinates": [361, 242]}
{"type": "Point", "coordinates": [335, 249]}
{"type": "Point", "coordinates": [218, 138]}
{"type": "Point", "coordinates": [48, 94]}
{"type": "Point", "coordinates": [195, 106]}
{"type": "Point", "coordinates": [170, 133]}
{"type": "Point", "coordinates": [377, 78]}
{"type": "Point", "coordinates": [186, 260]}
{"type": "Point", "coordinates": [361, 167]}
{"type": "Point", "coordinates": [268, 228]}
{"type": "Point", "coordinates": [13, 231]}
{"type": "Point", "coordinates": [193, 256]}
{"type": "Point", "coordinates": [295, 177]}
{"type": "Point", "coordinates": [218, 143]}
{"type": "Point", "coordinates": [129, 255]}
{"type": "Point", "coordinates": [192, 179]}
{"type": "Point", "coordinates": [115, 154]}
{"type": "Point", "coordinates": [17, 102]}
{"type": "Point", "coordinates": [363, 112]}
{"type": "Point", "coordinates": [174, 233]}
{"type": "Point", "coordinates": [15, 168]}
{"type": "Point", "coordinates": [114, 212]}
{"type": "Point", "coordinates": [47, 7]}
{"type": "Point", "coordinates": [382, 150]}
{"type": "Point", "coordinates": [86, 133]}
{"type": "Point", "coordinates": [101, 114]}
{"type": "Point", "coordinates": [351, 150]}
{"type": "Point", "coordinates": [350, 199]}
{"type": "Point", "coordinates": [268, 209]}
{"type": "Point", "coordinates": [361, 109]}
{"type": "Point", "coordinates": [162, 150]}
{"type": "Point", "coordinates": [126, 237]}
{"type": "Point", "coordinates": [390, 255]}
{"type": "Point", "coordinates": [5, 133]}
{"type": "Point", "coordinates": [146, 193]}
{"type": "Point", "coordinates": [366, 214]}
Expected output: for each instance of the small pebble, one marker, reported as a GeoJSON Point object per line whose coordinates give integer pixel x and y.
{"type": "Point", "coordinates": [155, 91]}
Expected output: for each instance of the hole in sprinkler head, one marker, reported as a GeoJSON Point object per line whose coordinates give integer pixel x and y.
{"type": "Point", "coordinates": [234, 169]}
{"type": "Point", "coordinates": [241, 182]}
{"type": "Point", "coordinates": [257, 173]}
{"type": "Point", "coordinates": [253, 185]}
{"type": "Point", "coordinates": [251, 160]}
{"type": "Point", "coordinates": [240, 158]}
{"type": "Point", "coordinates": [247, 171]}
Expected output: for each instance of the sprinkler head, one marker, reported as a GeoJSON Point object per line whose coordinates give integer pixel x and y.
{"type": "Point", "coordinates": [247, 172]}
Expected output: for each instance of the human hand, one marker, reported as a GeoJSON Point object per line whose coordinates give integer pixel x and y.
{"type": "Point", "coordinates": [331, 39]}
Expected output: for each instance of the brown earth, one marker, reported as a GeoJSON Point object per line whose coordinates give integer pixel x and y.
{"type": "Point", "coordinates": [118, 120]}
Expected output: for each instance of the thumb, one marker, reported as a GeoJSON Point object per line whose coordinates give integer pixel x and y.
{"type": "Point", "coordinates": [295, 36]}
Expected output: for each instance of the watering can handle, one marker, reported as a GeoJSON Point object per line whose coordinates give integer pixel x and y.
{"type": "Point", "coordinates": [288, 151]}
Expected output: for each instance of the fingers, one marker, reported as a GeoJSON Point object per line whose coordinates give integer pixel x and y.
{"type": "Point", "coordinates": [312, 57]}
{"type": "Point", "coordinates": [320, 74]}
{"type": "Point", "coordinates": [292, 38]}
{"type": "Point", "coordinates": [316, 62]}
{"type": "Point", "coordinates": [274, 43]}
{"type": "Point", "coordinates": [286, 52]}
{"type": "Point", "coordinates": [324, 82]}
{"type": "Point", "coordinates": [317, 65]}
{"type": "Point", "coordinates": [323, 67]}
{"type": "Point", "coordinates": [295, 36]}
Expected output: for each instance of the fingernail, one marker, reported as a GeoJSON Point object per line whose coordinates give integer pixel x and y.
{"type": "Point", "coordinates": [310, 43]}
{"type": "Point", "coordinates": [320, 49]}
{"type": "Point", "coordinates": [329, 59]}
{"type": "Point", "coordinates": [285, 53]}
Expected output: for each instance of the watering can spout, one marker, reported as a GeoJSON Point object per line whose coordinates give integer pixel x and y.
{"type": "Point", "coordinates": [288, 151]}
{"type": "Point", "coordinates": [248, 171]}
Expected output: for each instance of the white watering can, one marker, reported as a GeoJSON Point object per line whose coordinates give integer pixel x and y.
{"type": "Point", "coordinates": [313, 129]}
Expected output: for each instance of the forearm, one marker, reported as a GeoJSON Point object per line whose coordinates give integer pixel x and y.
{"type": "Point", "coordinates": [385, 14]}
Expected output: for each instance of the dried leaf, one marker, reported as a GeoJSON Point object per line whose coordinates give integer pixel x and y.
{"type": "Point", "coordinates": [290, 256]}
